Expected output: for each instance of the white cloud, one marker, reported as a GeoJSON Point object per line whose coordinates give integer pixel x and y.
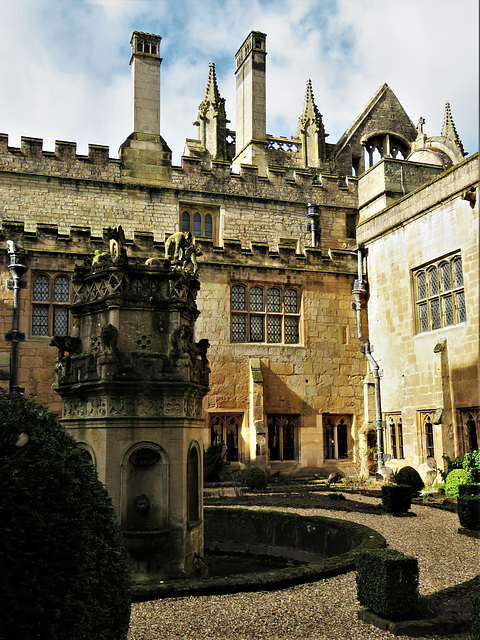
{"type": "Point", "coordinates": [65, 73]}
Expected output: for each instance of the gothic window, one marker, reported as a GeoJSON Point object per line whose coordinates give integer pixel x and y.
{"type": "Point", "coordinates": [428, 433]}
{"type": "Point", "coordinates": [201, 221]}
{"type": "Point", "coordinates": [265, 314]}
{"type": "Point", "coordinates": [225, 428]}
{"type": "Point", "coordinates": [50, 305]}
{"type": "Point", "coordinates": [351, 226]}
{"type": "Point", "coordinates": [281, 436]}
{"type": "Point", "coordinates": [335, 436]}
{"type": "Point", "coordinates": [469, 420]}
{"type": "Point", "coordinates": [439, 294]}
{"type": "Point", "coordinates": [394, 436]}
{"type": "Point", "coordinates": [384, 145]}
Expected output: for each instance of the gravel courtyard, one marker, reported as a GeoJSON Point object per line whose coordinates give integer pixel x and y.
{"type": "Point", "coordinates": [324, 610]}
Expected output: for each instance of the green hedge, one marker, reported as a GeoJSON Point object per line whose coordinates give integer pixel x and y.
{"type": "Point", "coordinates": [62, 565]}
{"type": "Point", "coordinates": [409, 475]}
{"type": "Point", "coordinates": [469, 512]}
{"type": "Point", "coordinates": [475, 625]}
{"type": "Point", "coordinates": [454, 479]}
{"type": "Point", "coordinates": [255, 479]}
{"type": "Point", "coordinates": [469, 490]}
{"type": "Point", "coordinates": [387, 583]}
{"type": "Point", "coordinates": [396, 498]}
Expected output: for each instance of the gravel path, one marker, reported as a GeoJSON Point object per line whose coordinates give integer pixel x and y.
{"type": "Point", "coordinates": [324, 610]}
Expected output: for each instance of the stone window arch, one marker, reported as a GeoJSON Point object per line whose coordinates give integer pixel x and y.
{"type": "Point", "coordinates": [336, 438]}
{"type": "Point", "coordinates": [384, 144]}
{"type": "Point", "coordinates": [144, 499]}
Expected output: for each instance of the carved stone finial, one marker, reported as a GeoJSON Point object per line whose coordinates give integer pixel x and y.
{"type": "Point", "coordinates": [419, 127]}
{"type": "Point", "coordinates": [311, 116]}
{"type": "Point", "coordinates": [449, 131]}
{"type": "Point", "coordinates": [311, 130]}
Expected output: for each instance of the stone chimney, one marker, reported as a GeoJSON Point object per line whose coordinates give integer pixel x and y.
{"type": "Point", "coordinates": [251, 103]}
{"type": "Point", "coordinates": [144, 155]}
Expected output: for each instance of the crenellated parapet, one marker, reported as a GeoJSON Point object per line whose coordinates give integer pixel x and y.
{"type": "Point", "coordinates": [64, 162]}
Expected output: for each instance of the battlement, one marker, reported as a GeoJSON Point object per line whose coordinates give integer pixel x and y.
{"type": "Point", "coordinates": [63, 162]}
{"type": "Point", "coordinates": [81, 242]}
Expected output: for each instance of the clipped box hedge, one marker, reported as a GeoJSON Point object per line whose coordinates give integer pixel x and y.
{"type": "Point", "coordinates": [469, 512]}
{"type": "Point", "coordinates": [387, 583]}
{"type": "Point", "coordinates": [396, 498]}
{"type": "Point", "coordinates": [469, 490]}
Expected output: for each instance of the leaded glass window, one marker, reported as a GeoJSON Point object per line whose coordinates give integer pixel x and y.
{"type": "Point", "coordinates": [446, 279]}
{"type": "Point", "coordinates": [273, 301]}
{"type": "Point", "coordinates": [208, 226]}
{"type": "Point", "coordinates": [51, 317]}
{"type": "Point", "coordinates": [274, 328]}
{"type": "Point", "coordinates": [185, 221]}
{"type": "Point", "coordinates": [394, 443]}
{"type": "Point", "coordinates": [265, 314]}
{"type": "Point", "coordinates": [239, 328]}
{"type": "Point", "coordinates": [41, 289]}
{"type": "Point", "coordinates": [239, 298]}
{"type": "Point", "coordinates": [256, 299]}
{"type": "Point", "coordinates": [40, 320]}
{"type": "Point", "coordinates": [197, 224]}
{"type": "Point", "coordinates": [291, 301]}
{"type": "Point", "coordinates": [256, 328]}
{"type": "Point", "coordinates": [439, 294]}
{"type": "Point", "coordinates": [61, 289]}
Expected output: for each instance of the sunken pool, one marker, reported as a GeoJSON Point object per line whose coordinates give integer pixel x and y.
{"type": "Point", "coordinates": [257, 549]}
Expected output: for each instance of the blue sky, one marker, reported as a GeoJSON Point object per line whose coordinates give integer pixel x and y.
{"type": "Point", "coordinates": [65, 63]}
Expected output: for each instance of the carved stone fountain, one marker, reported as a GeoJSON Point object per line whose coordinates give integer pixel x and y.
{"type": "Point", "coordinates": [132, 380]}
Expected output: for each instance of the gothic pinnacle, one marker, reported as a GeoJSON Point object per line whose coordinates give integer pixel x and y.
{"type": "Point", "coordinates": [449, 131]}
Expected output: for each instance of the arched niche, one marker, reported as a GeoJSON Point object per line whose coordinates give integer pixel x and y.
{"type": "Point", "coordinates": [144, 501]}
{"type": "Point", "coordinates": [87, 453]}
{"type": "Point", "coordinates": [194, 485]}
{"type": "Point", "coordinates": [384, 144]}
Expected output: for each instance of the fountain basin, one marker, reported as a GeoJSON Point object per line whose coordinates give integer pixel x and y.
{"type": "Point", "coordinates": [324, 547]}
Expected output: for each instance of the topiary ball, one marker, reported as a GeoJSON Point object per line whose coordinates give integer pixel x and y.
{"type": "Point", "coordinates": [455, 478]}
{"type": "Point", "coordinates": [62, 566]}
{"type": "Point", "coordinates": [411, 477]}
{"type": "Point", "coordinates": [255, 479]}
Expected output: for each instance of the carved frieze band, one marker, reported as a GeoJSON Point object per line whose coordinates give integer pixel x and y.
{"type": "Point", "coordinates": [189, 405]}
{"type": "Point", "coordinates": [146, 288]}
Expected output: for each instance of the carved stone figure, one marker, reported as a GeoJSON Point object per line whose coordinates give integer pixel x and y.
{"type": "Point", "coordinates": [118, 243]}
{"type": "Point", "coordinates": [176, 245]}
{"type": "Point", "coordinates": [66, 344]}
{"type": "Point", "coordinates": [109, 337]}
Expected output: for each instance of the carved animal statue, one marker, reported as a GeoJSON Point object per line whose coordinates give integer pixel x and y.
{"type": "Point", "coordinates": [100, 257]}
{"type": "Point", "coordinates": [65, 343]}
{"type": "Point", "coordinates": [191, 253]}
{"type": "Point", "coordinates": [175, 246]}
{"type": "Point", "coordinates": [109, 338]}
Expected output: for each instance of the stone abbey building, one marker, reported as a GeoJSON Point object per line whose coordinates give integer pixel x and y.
{"type": "Point", "coordinates": [283, 227]}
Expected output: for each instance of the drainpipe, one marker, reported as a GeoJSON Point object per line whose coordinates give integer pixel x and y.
{"type": "Point", "coordinates": [359, 292]}
{"type": "Point", "coordinates": [17, 268]}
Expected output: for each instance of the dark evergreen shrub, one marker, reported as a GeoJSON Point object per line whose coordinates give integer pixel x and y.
{"type": "Point", "coordinates": [387, 583]}
{"type": "Point", "coordinates": [475, 624]}
{"type": "Point", "coordinates": [468, 490]}
{"type": "Point", "coordinates": [62, 565]}
{"type": "Point", "coordinates": [454, 479]}
{"type": "Point", "coordinates": [396, 498]}
{"type": "Point", "coordinates": [469, 512]}
{"type": "Point", "coordinates": [410, 476]}
{"type": "Point", "coordinates": [255, 479]}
